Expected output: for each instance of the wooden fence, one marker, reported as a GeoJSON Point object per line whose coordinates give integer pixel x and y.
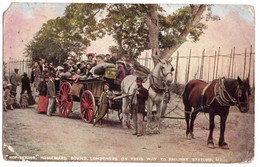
{"type": "Point", "coordinates": [210, 66]}
{"type": "Point", "coordinates": [23, 66]}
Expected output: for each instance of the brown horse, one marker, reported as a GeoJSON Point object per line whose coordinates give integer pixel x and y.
{"type": "Point", "coordinates": [214, 98]}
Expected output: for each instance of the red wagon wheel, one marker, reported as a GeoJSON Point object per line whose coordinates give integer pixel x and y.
{"type": "Point", "coordinates": [65, 100]}
{"type": "Point", "coordinates": [87, 106]}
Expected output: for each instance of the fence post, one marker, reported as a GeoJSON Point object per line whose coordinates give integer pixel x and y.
{"type": "Point", "coordinates": [176, 68]}
{"type": "Point", "coordinates": [253, 74]}
{"type": "Point", "coordinates": [229, 67]}
{"type": "Point", "coordinates": [232, 72]}
{"type": "Point", "coordinates": [188, 67]}
{"type": "Point", "coordinates": [202, 64]}
{"type": "Point", "coordinates": [250, 56]}
{"type": "Point", "coordinates": [21, 67]}
{"type": "Point", "coordinates": [208, 67]}
{"type": "Point", "coordinates": [244, 73]}
{"type": "Point", "coordinates": [215, 57]}
{"type": "Point", "coordinates": [146, 60]}
{"type": "Point", "coordinates": [217, 63]}
{"type": "Point", "coordinates": [9, 66]}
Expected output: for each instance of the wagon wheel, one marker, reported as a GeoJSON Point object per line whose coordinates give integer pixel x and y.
{"type": "Point", "coordinates": [65, 100]}
{"type": "Point", "coordinates": [120, 115]}
{"type": "Point", "coordinates": [87, 106]}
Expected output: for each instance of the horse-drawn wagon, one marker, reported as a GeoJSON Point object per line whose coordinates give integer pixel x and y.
{"type": "Point", "coordinates": [87, 92]}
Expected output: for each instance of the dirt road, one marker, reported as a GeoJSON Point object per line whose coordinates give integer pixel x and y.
{"type": "Point", "coordinates": [28, 135]}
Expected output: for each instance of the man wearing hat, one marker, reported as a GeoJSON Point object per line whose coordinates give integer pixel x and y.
{"type": "Point", "coordinates": [138, 106]}
{"type": "Point", "coordinates": [120, 74]}
{"type": "Point", "coordinates": [90, 57]}
{"type": "Point", "coordinates": [107, 58]}
{"type": "Point", "coordinates": [14, 78]}
{"type": "Point", "coordinates": [100, 58]}
{"type": "Point", "coordinates": [129, 70]}
{"type": "Point", "coordinates": [114, 57]}
{"type": "Point", "coordinates": [51, 95]}
{"type": "Point", "coordinates": [103, 103]}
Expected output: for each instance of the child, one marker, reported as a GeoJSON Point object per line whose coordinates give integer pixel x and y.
{"type": "Point", "coordinates": [25, 97]}
{"type": "Point", "coordinates": [9, 99]}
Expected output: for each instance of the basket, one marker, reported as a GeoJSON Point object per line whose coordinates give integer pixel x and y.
{"type": "Point", "coordinates": [110, 73]}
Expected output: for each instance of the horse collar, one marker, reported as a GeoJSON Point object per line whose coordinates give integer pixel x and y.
{"type": "Point", "coordinates": [154, 86]}
{"type": "Point", "coordinates": [222, 95]}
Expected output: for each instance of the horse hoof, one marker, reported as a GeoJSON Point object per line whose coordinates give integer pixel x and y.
{"type": "Point", "coordinates": [188, 136]}
{"type": "Point", "coordinates": [156, 132]}
{"type": "Point", "coordinates": [211, 145]}
{"type": "Point", "coordinates": [148, 133]}
{"type": "Point", "coordinates": [225, 147]}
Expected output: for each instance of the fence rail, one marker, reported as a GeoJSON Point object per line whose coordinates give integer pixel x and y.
{"type": "Point", "coordinates": [23, 66]}
{"type": "Point", "coordinates": [210, 66]}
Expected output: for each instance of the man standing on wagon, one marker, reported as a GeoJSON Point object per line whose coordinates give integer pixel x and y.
{"type": "Point", "coordinates": [138, 106]}
{"type": "Point", "coordinates": [120, 74]}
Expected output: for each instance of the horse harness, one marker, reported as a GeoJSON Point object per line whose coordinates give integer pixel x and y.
{"type": "Point", "coordinates": [157, 89]}
{"type": "Point", "coordinates": [221, 95]}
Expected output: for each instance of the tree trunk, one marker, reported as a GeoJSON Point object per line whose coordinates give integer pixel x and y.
{"type": "Point", "coordinates": [152, 22]}
{"type": "Point", "coordinates": [138, 67]}
{"type": "Point", "coordinates": [196, 14]}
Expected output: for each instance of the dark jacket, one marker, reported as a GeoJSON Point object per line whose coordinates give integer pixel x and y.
{"type": "Point", "coordinates": [129, 70]}
{"type": "Point", "coordinates": [32, 76]}
{"type": "Point", "coordinates": [42, 88]}
{"type": "Point", "coordinates": [51, 89]}
{"type": "Point", "coordinates": [26, 85]}
{"type": "Point", "coordinates": [120, 75]}
{"type": "Point", "coordinates": [113, 59]}
{"type": "Point", "coordinates": [141, 98]}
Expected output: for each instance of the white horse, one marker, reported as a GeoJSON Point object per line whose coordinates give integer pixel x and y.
{"type": "Point", "coordinates": [157, 82]}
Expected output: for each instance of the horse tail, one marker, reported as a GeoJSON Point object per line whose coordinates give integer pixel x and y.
{"type": "Point", "coordinates": [185, 98]}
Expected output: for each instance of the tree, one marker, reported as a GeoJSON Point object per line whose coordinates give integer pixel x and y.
{"type": "Point", "coordinates": [135, 28]}
{"type": "Point", "coordinates": [162, 34]}
{"type": "Point", "coordinates": [167, 34]}
{"type": "Point", "coordinates": [67, 35]}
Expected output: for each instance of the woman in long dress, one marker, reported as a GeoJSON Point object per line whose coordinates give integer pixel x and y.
{"type": "Point", "coordinates": [27, 87]}
{"type": "Point", "coordinates": [43, 96]}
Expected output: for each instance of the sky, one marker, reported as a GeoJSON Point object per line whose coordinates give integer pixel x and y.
{"type": "Point", "coordinates": [23, 20]}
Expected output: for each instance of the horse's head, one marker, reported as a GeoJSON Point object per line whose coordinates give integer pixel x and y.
{"type": "Point", "coordinates": [242, 95]}
{"type": "Point", "coordinates": [166, 70]}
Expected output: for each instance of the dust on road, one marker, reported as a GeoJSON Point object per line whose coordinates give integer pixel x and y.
{"type": "Point", "coordinates": [28, 135]}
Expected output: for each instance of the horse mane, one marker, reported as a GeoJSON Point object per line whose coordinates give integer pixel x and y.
{"type": "Point", "coordinates": [231, 85]}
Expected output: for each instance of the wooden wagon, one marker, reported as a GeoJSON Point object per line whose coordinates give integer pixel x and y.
{"type": "Point", "coordinates": [90, 91]}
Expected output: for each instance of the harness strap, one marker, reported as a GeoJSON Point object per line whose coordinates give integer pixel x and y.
{"type": "Point", "coordinates": [220, 91]}
{"type": "Point", "coordinates": [154, 86]}
{"type": "Point", "coordinates": [202, 106]}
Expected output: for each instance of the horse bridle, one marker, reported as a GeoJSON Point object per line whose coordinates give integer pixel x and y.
{"type": "Point", "coordinates": [225, 101]}
{"type": "Point", "coordinates": [162, 79]}
{"type": "Point", "coordinates": [239, 94]}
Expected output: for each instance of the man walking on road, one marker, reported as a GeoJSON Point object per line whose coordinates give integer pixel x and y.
{"type": "Point", "coordinates": [52, 96]}
{"type": "Point", "coordinates": [138, 106]}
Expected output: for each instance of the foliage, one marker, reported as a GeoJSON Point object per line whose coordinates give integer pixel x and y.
{"type": "Point", "coordinates": [172, 26]}
{"type": "Point", "coordinates": [66, 36]}
{"type": "Point", "coordinates": [83, 23]}
{"type": "Point", "coordinates": [127, 28]}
